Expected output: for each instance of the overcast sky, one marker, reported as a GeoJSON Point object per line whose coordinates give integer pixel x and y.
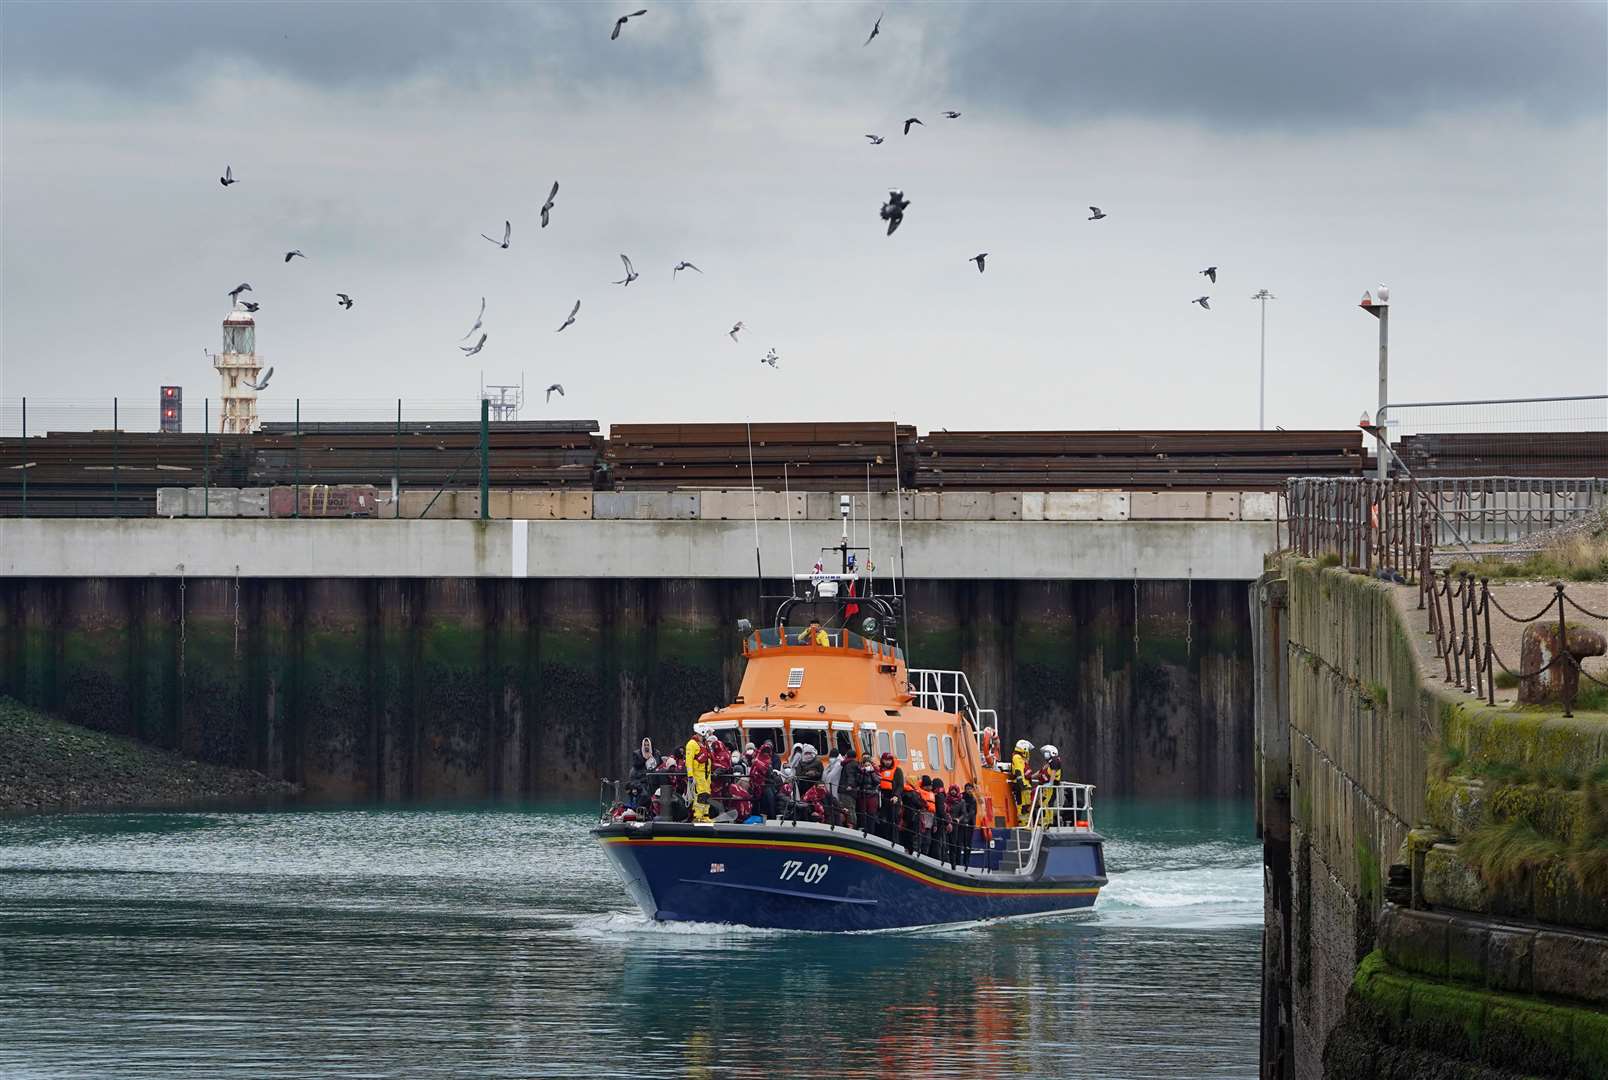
{"type": "Point", "coordinates": [1458, 153]}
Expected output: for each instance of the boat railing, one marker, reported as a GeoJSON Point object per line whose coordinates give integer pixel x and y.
{"type": "Point", "coordinates": [949, 691]}
{"type": "Point", "coordinates": [1061, 807]}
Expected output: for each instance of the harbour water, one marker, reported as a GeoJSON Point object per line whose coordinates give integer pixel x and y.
{"type": "Point", "coordinates": [497, 943]}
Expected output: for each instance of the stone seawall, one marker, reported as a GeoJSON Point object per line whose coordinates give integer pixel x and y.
{"type": "Point", "coordinates": [429, 688]}
{"type": "Point", "coordinates": [1363, 766]}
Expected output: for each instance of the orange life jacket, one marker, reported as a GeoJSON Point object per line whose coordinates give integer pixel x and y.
{"type": "Point", "coordinates": [886, 782]}
{"type": "Point", "coordinates": [926, 797]}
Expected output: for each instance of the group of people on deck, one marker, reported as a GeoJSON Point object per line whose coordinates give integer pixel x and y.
{"type": "Point", "coordinates": [707, 780]}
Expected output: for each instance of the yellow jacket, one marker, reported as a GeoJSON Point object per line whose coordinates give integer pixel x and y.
{"type": "Point", "coordinates": [697, 771]}
{"type": "Point", "coordinates": [1019, 784]}
{"type": "Point", "coordinates": [821, 637]}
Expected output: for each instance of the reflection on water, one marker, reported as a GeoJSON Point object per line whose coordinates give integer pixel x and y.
{"type": "Point", "coordinates": [497, 943]}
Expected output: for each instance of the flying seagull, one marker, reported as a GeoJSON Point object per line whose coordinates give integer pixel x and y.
{"type": "Point", "coordinates": [289, 255]}
{"type": "Point", "coordinates": [770, 358]}
{"type": "Point", "coordinates": [952, 114]}
{"type": "Point", "coordinates": [618, 23]}
{"type": "Point", "coordinates": [1095, 213]}
{"type": "Point", "coordinates": [978, 259]}
{"type": "Point", "coordinates": [1211, 272]}
{"type": "Point", "coordinates": [556, 386]}
{"type": "Point", "coordinates": [876, 140]}
{"type": "Point", "coordinates": [263, 385]}
{"type": "Point", "coordinates": [482, 315]}
{"type": "Point", "coordinates": [470, 350]}
{"type": "Point", "coordinates": [228, 176]}
{"type": "Point", "coordinates": [680, 266]}
{"type": "Point", "coordinates": [234, 293]}
{"type": "Point", "coordinates": [249, 306]}
{"type": "Point", "coordinates": [1203, 301]}
{"type": "Point", "coordinates": [910, 121]}
{"type": "Point", "coordinates": [630, 273]}
{"type": "Point", "coordinates": [571, 318]}
{"type": "Point", "coordinates": [548, 205]}
{"type": "Point", "coordinates": [508, 231]}
{"type": "Point", "coordinates": [735, 329]}
{"type": "Point", "coordinates": [875, 30]}
{"type": "Point", "coordinates": [343, 300]}
{"type": "Point", "coordinates": [893, 210]}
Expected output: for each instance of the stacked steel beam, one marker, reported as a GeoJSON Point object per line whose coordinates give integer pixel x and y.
{"type": "Point", "coordinates": [112, 473]}
{"type": "Point", "coordinates": [803, 457]}
{"type": "Point", "coordinates": [1054, 460]}
{"type": "Point", "coordinates": [1506, 453]}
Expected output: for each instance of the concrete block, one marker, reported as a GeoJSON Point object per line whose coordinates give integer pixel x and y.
{"type": "Point", "coordinates": [1007, 506]}
{"type": "Point", "coordinates": [1571, 965]}
{"type": "Point", "coordinates": [1508, 955]}
{"type": "Point", "coordinates": [821, 505]}
{"type": "Point", "coordinates": [889, 506]}
{"type": "Point", "coordinates": [1259, 505]}
{"type": "Point", "coordinates": [212, 502]}
{"type": "Point", "coordinates": [645, 505]}
{"type": "Point", "coordinates": [575, 505]}
{"type": "Point", "coordinates": [1086, 506]}
{"type": "Point", "coordinates": [740, 505]}
{"type": "Point", "coordinates": [1167, 506]}
{"type": "Point", "coordinates": [1222, 506]}
{"type": "Point", "coordinates": [532, 505]}
{"type": "Point", "coordinates": [1032, 506]}
{"type": "Point", "coordinates": [965, 506]}
{"type": "Point", "coordinates": [414, 503]}
{"type": "Point", "coordinates": [172, 502]}
{"type": "Point", "coordinates": [924, 506]}
{"type": "Point", "coordinates": [500, 501]}
{"type": "Point", "coordinates": [1415, 940]}
{"type": "Point", "coordinates": [254, 502]}
{"type": "Point", "coordinates": [1465, 950]}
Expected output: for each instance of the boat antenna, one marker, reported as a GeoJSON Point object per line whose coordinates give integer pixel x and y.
{"type": "Point", "coordinates": [753, 491]}
{"type": "Point", "coordinates": [870, 535]}
{"type": "Point", "coordinates": [787, 508]}
{"type": "Point", "coordinates": [898, 509]}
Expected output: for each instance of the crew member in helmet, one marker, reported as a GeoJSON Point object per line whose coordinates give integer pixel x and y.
{"type": "Point", "coordinates": [1051, 774]}
{"type": "Point", "coordinates": [1020, 787]}
{"type": "Point", "coordinates": [698, 773]}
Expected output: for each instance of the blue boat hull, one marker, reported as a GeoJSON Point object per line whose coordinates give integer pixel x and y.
{"type": "Point", "coordinates": [781, 877]}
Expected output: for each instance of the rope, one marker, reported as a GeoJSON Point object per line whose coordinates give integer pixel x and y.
{"type": "Point", "coordinates": [181, 620]}
{"type": "Point", "coordinates": [1584, 611]}
{"type": "Point", "coordinates": [1514, 617]}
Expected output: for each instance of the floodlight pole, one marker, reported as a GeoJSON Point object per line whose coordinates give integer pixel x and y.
{"type": "Point", "coordinates": [1261, 372]}
{"type": "Point", "coordinates": [1379, 308]}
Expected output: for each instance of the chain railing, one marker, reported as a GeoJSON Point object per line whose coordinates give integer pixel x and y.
{"type": "Point", "coordinates": [1381, 526]}
{"type": "Point", "coordinates": [1460, 621]}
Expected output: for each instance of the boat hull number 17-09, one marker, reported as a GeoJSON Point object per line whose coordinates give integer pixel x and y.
{"type": "Point", "coordinates": [793, 869]}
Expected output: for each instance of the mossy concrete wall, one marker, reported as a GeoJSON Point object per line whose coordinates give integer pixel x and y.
{"type": "Point", "coordinates": [1385, 768]}
{"type": "Point", "coordinates": [474, 688]}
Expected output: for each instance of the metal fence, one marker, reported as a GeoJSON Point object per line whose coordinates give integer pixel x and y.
{"type": "Point", "coordinates": [1532, 437]}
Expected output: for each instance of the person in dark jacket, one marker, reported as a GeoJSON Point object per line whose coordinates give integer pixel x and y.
{"type": "Point", "coordinates": [959, 827]}
{"type": "Point", "coordinates": [810, 771]}
{"type": "Point", "coordinates": [848, 792]}
{"type": "Point", "coordinates": [968, 822]}
{"type": "Point", "coordinates": [910, 836]}
{"type": "Point", "coordinates": [869, 796]}
{"type": "Point", "coordinates": [890, 788]}
{"type": "Point", "coordinates": [759, 787]}
{"type": "Point", "coordinates": [942, 840]}
{"type": "Point", "coordinates": [638, 785]}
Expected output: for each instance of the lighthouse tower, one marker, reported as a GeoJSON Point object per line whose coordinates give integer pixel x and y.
{"type": "Point", "coordinates": [235, 364]}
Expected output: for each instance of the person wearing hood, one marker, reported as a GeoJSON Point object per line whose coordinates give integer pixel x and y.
{"type": "Point", "coordinates": [759, 781]}
{"type": "Point", "coordinates": [720, 771]}
{"type": "Point", "coordinates": [638, 784]}
{"type": "Point", "coordinates": [913, 805]}
{"type": "Point", "coordinates": [968, 823]}
{"type": "Point", "coordinates": [698, 777]}
{"type": "Point", "coordinates": [869, 795]}
{"type": "Point", "coordinates": [890, 787]}
{"type": "Point", "coordinates": [943, 840]}
{"type": "Point", "coordinates": [810, 771]}
{"type": "Point", "coordinates": [846, 792]}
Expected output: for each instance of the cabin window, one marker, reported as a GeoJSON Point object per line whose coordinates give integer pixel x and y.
{"type": "Point", "coordinates": [843, 742]}
{"type": "Point", "coordinates": [815, 737]}
{"type": "Point", "coordinates": [932, 750]}
{"type": "Point", "coordinates": [776, 736]}
{"type": "Point", "coordinates": [901, 746]}
{"type": "Point", "coordinates": [730, 736]}
{"type": "Point", "coordinates": [883, 746]}
{"type": "Point", "coordinates": [868, 742]}
{"type": "Point", "coordinates": [949, 753]}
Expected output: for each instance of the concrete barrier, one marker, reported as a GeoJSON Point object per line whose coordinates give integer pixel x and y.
{"type": "Point", "coordinates": [646, 505]}
{"type": "Point", "coordinates": [1086, 506]}
{"type": "Point", "coordinates": [253, 502]}
{"type": "Point", "coordinates": [924, 506]}
{"type": "Point", "coordinates": [1032, 506]}
{"type": "Point", "coordinates": [1007, 506]}
{"type": "Point", "coordinates": [212, 502]}
{"type": "Point", "coordinates": [1184, 505]}
{"type": "Point", "coordinates": [965, 506]}
{"type": "Point", "coordinates": [1259, 505]}
{"type": "Point", "coordinates": [172, 502]}
{"type": "Point", "coordinates": [413, 504]}
{"type": "Point", "coordinates": [739, 504]}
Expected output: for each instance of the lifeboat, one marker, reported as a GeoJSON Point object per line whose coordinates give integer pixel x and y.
{"type": "Point", "coordinates": [798, 861]}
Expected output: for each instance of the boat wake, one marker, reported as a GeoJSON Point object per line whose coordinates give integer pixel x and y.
{"type": "Point", "coordinates": [1198, 897]}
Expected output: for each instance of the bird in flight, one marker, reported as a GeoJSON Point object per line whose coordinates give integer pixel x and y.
{"type": "Point", "coordinates": [508, 231]}
{"type": "Point", "coordinates": [1203, 301]}
{"type": "Point", "coordinates": [228, 176]}
{"type": "Point", "coordinates": [482, 315]}
{"type": "Point", "coordinates": [952, 114]}
{"type": "Point", "coordinates": [621, 21]}
{"type": "Point", "coordinates": [630, 272]}
{"type": "Point", "coordinates": [234, 293]}
{"type": "Point", "coordinates": [680, 266]}
{"type": "Point", "coordinates": [1211, 272]}
{"type": "Point", "coordinates": [893, 210]}
{"type": "Point", "coordinates": [289, 255]}
{"type": "Point", "coordinates": [556, 386]}
{"type": "Point", "coordinates": [875, 30]}
{"type": "Point", "coordinates": [910, 121]}
{"type": "Point", "coordinates": [770, 358]}
{"type": "Point", "coordinates": [263, 385]}
{"type": "Point", "coordinates": [470, 350]}
{"type": "Point", "coordinates": [571, 318]}
{"type": "Point", "coordinates": [876, 140]}
{"type": "Point", "coordinates": [548, 205]}
{"type": "Point", "coordinates": [343, 300]}
{"type": "Point", "coordinates": [249, 306]}
{"type": "Point", "coordinates": [978, 259]}
{"type": "Point", "coordinates": [1095, 213]}
{"type": "Point", "coordinates": [735, 329]}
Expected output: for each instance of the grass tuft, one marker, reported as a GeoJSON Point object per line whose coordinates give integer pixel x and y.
{"type": "Point", "coordinates": [1574, 558]}
{"type": "Point", "coordinates": [1505, 853]}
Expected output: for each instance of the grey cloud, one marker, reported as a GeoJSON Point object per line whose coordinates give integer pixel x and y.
{"type": "Point", "coordinates": [158, 49]}
{"type": "Point", "coordinates": [1281, 66]}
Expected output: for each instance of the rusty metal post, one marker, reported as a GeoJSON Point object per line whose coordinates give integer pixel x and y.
{"type": "Point", "coordinates": [1490, 649]}
{"type": "Point", "coordinates": [1563, 651]}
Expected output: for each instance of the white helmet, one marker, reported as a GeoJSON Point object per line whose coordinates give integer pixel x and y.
{"type": "Point", "coordinates": [1050, 751]}
{"type": "Point", "coordinates": [1023, 744]}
